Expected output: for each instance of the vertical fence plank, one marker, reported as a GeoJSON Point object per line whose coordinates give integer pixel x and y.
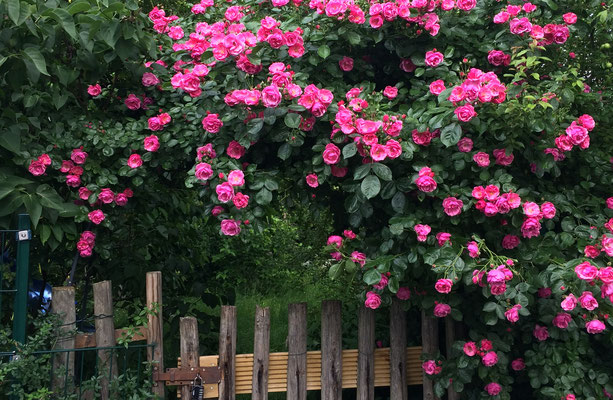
{"type": "Point", "coordinates": [366, 354]}
{"type": "Point", "coordinates": [20, 312]}
{"type": "Point", "coordinates": [398, 352]}
{"type": "Point", "coordinates": [190, 348]}
{"type": "Point", "coordinates": [429, 338]}
{"type": "Point", "coordinates": [155, 330]}
{"type": "Point", "coordinates": [450, 337]}
{"type": "Point", "coordinates": [331, 351]}
{"type": "Point", "coordinates": [63, 304]}
{"type": "Point", "coordinates": [227, 353]}
{"type": "Point", "coordinates": [261, 350]}
{"type": "Point", "coordinates": [105, 334]}
{"type": "Point", "coordinates": [297, 346]}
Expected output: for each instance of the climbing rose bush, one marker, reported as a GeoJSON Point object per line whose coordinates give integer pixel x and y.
{"type": "Point", "coordinates": [452, 139]}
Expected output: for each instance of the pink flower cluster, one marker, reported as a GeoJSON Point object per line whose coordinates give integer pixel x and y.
{"type": "Point", "coordinates": [479, 86]}
{"type": "Point", "coordinates": [86, 243]}
{"type": "Point", "coordinates": [160, 20]}
{"type": "Point", "coordinates": [276, 38]}
{"type": "Point", "coordinates": [375, 141]}
{"type": "Point", "coordinates": [373, 300]}
{"type": "Point", "coordinates": [491, 202]}
{"type": "Point", "coordinates": [496, 278]}
{"type": "Point", "coordinates": [39, 166]}
{"type": "Point", "coordinates": [200, 8]}
{"type": "Point", "coordinates": [425, 180]}
{"type": "Point", "coordinates": [422, 232]}
{"type": "Point", "coordinates": [158, 122]}
{"type": "Point", "coordinates": [106, 196]}
{"type": "Point", "coordinates": [498, 58]}
{"type": "Point", "coordinates": [546, 35]}
{"type": "Point", "coordinates": [489, 358]}
{"type": "Point", "coordinates": [576, 135]}
{"type": "Point", "coordinates": [432, 367]}
{"type": "Point", "coordinates": [502, 158]}
{"type": "Point", "coordinates": [419, 12]}
{"type": "Point", "coordinates": [73, 168]}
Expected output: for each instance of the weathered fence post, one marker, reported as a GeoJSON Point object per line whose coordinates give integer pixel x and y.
{"type": "Point", "coordinates": [63, 363]}
{"type": "Point", "coordinates": [331, 351]}
{"type": "Point", "coordinates": [429, 338]}
{"type": "Point", "coordinates": [366, 354]}
{"type": "Point", "coordinates": [190, 348]}
{"type": "Point", "coordinates": [155, 330]}
{"type": "Point", "coordinates": [296, 346]}
{"type": "Point", "coordinates": [398, 352]}
{"type": "Point", "coordinates": [261, 350]}
{"type": "Point", "coordinates": [227, 353]}
{"type": "Point", "coordinates": [105, 334]}
{"type": "Point", "coordinates": [450, 337]}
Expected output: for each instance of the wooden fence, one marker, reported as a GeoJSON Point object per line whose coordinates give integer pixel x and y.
{"type": "Point", "coordinates": [294, 372]}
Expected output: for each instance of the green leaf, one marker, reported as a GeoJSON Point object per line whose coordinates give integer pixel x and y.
{"type": "Point", "coordinates": [3, 60]}
{"type": "Point", "coordinates": [292, 120]}
{"type": "Point", "coordinates": [489, 306]}
{"type": "Point", "coordinates": [5, 191]}
{"type": "Point", "coordinates": [335, 271]}
{"type": "Point", "coordinates": [451, 134]}
{"type": "Point", "coordinates": [14, 8]}
{"type": "Point", "coordinates": [64, 18]}
{"type": "Point", "coordinates": [78, 6]}
{"type": "Point", "coordinates": [11, 139]}
{"type": "Point", "coordinates": [370, 186]}
{"type": "Point", "coordinates": [382, 171]}
{"type": "Point", "coordinates": [353, 37]}
{"type": "Point", "coordinates": [361, 171]}
{"type": "Point", "coordinates": [323, 51]}
{"type": "Point", "coordinates": [398, 202]}
{"type": "Point", "coordinates": [284, 151]}
{"type": "Point", "coordinates": [263, 197]}
{"type": "Point", "coordinates": [34, 208]}
{"type": "Point", "coordinates": [372, 277]}
{"type": "Point", "coordinates": [349, 150]}
{"type": "Point", "coordinates": [37, 59]}
{"type": "Point", "coordinates": [45, 233]}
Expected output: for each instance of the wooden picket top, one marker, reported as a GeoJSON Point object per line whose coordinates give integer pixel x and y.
{"type": "Point", "coordinates": [277, 378]}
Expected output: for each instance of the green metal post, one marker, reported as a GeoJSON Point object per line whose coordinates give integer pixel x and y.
{"type": "Point", "coordinates": [21, 279]}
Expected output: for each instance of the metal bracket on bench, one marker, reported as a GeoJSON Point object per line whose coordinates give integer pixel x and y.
{"type": "Point", "coordinates": [185, 376]}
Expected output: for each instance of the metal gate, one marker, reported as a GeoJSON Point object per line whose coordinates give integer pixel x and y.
{"type": "Point", "coordinates": [15, 251]}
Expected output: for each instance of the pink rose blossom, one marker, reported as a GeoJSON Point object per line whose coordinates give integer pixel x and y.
{"type": "Point", "coordinates": [512, 314]}
{"type": "Point", "coordinates": [225, 192]}
{"type": "Point", "coordinates": [493, 388]}
{"type": "Point", "coordinates": [452, 206]}
{"type": "Point", "coordinates": [482, 159]}
{"type": "Point", "coordinates": [437, 87]}
{"type": "Point", "coordinates": [586, 271]}
{"type": "Point", "coordinates": [236, 178]}
{"type": "Point", "coordinates": [135, 161]}
{"type": "Point", "coordinates": [211, 123]}
{"type": "Point", "coordinates": [433, 58]}
{"type": "Point", "coordinates": [404, 293]}
{"type": "Point", "coordinates": [331, 154]}
{"type": "Point", "coordinates": [570, 18]}
{"type": "Point", "coordinates": [335, 241]}
{"type": "Point", "coordinates": [441, 310]}
{"type": "Point", "coordinates": [465, 145]}
{"type": "Point", "coordinates": [473, 249]}
{"type": "Point", "coordinates": [151, 143]}
{"type": "Point", "coordinates": [422, 232]}
{"type": "Point", "coordinates": [443, 237]}
{"type": "Point", "coordinates": [240, 200]}
{"type": "Point", "coordinates": [230, 227]}
{"type": "Point", "coordinates": [431, 368]}
{"type": "Point", "coordinates": [132, 102]}
{"type": "Point", "coordinates": [443, 285]}
{"type": "Point", "coordinates": [510, 242]}
{"type": "Point", "coordinates": [569, 303]}
{"type": "Point", "coordinates": [150, 79]}
{"type": "Point", "coordinates": [490, 359]}
{"type": "Point", "coordinates": [311, 180]}
{"type": "Point", "coordinates": [96, 216]}
{"type": "Point", "coordinates": [373, 300]}
{"type": "Point", "coordinates": [390, 92]}
{"type": "Point", "coordinates": [346, 64]}
{"type": "Point", "coordinates": [518, 364]}
{"type": "Point", "coordinates": [540, 333]}
{"type": "Point", "coordinates": [588, 301]}
{"type": "Point", "coordinates": [78, 156]}
{"type": "Point", "coordinates": [235, 150]}
{"type": "Point", "coordinates": [465, 113]}
{"type": "Point", "coordinates": [561, 320]}
{"type": "Point", "coordinates": [470, 349]}
{"type": "Point", "coordinates": [594, 326]}
{"type": "Point", "coordinates": [94, 90]}
{"type": "Point", "coordinates": [203, 171]}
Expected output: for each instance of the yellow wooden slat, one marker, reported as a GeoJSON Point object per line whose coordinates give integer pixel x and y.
{"type": "Point", "coordinates": [277, 380]}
